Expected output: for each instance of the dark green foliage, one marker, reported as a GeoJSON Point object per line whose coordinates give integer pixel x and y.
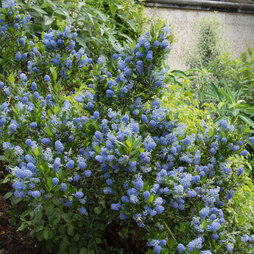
{"type": "Point", "coordinates": [101, 25]}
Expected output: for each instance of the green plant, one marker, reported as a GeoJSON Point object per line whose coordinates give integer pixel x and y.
{"type": "Point", "coordinates": [208, 43]}
{"type": "Point", "coordinates": [237, 73]}
{"type": "Point", "coordinates": [182, 103]}
{"type": "Point", "coordinates": [228, 105]}
{"type": "Point", "coordinates": [101, 25]}
{"type": "Point", "coordinates": [107, 157]}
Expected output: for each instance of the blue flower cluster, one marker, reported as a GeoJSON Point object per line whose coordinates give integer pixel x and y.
{"type": "Point", "coordinates": [55, 49]}
{"type": "Point", "coordinates": [112, 147]}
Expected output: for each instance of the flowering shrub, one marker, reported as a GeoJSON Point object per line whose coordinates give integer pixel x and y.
{"type": "Point", "coordinates": [109, 154]}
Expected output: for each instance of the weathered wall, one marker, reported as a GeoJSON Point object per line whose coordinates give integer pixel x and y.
{"type": "Point", "coordinates": [238, 30]}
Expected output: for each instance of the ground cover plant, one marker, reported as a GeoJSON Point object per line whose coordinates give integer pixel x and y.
{"type": "Point", "coordinates": [90, 149]}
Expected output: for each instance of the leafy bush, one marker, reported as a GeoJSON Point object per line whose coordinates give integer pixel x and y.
{"type": "Point", "coordinates": [181, 102]}
{"type": "Point", "coordinates": [109, 156]}
{"type": "Point", "coordinates": [208, 43]}
{"type": "Point", "coordinates": [102, 25]}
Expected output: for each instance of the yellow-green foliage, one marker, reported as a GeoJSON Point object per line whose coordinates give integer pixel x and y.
{"type": "Point", "coordinates": [242, 206]}
{"type": "Point", "coordinates": [185, 108]}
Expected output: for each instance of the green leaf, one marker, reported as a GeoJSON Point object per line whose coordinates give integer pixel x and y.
{"type": "Point", "coordinates": [38, 9]}
{"type": "Point", "coordinates": [48, 20]}
{"type": "Point", "coordinates": [83, 251]}
{"type": "Point", "coordinates": [247, 120]}
{"type": "Point", "coordinates": [8, 195]}
{"type": "Point", "coordinates": [70, 230]}
{"type": "Point", "coordinates": [151, 198]}
{"type": "Point", "coordinates": [11, 78]}
{"type": "Point", "coordinates": [36, 151]}
{"type": "Point", "coordinates": [179, 73]}
{"type": "Point", "coordinates": [128, 143]}
{"type": "Point", "coordinates": [49, 183]}
{"type": "Point", "coordinates": [97, 210]}
{"type": "Point", "coordinates": [40, 228]}
{"type": "Point", "coordinates": [46, 234]}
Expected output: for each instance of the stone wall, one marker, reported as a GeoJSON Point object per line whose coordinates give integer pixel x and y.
{"type": "Point", "coordinates": [238, 30]}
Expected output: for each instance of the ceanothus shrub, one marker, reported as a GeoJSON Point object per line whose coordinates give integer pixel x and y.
{"type": "Point", "coordinates": [54, 52]}
{"type": "Point", "coordinates": [111, 155]}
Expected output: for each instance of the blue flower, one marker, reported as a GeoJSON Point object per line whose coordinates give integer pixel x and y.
{"type": "Point", "coordinates": [215, 237]}
{"type": "Point", "coordinates": [244, 153]}
{"type": "Point", "coordinates": [82, 165]}
{"type": "Point", "coordinates": [149, 57]}
{"type": "Point", "coordinates": [115, 56]}
{"type": "Point", "coordinates": [133, 199]}
{"type": "Point", "coordinates": [55, 181]}
{"type": "Point", "coordinates": [157, 249]}
{"type": "Point", "coordinates": [17, 56]}
{"type": "Point", "coordinates": [178, 189]}
{"type": "Point", "coordinates": [186, 141]}
{"type": "Point", "coordinates": [90, 105]}
{"type": "Point", "coordinates": [57, 164]}
{"type": "Point", "coordinates": [152, 123]}
{"type": "Point", "coordinates": [230, 247]}
{"type": "Point", "coordinates": [204, 212]}
{"type": "Point", "coordinates": [159, 209]}
{"type": "Point", "coordinates": [100, 60]}
{"type": "Point", "coordinates": [23, 77]}
{"type": "Point", "coordinates": [223, 124]}
{"type": "Point", "coordinates": [156, 43]}
{"type": "Point", "coordinates": [46, 141]}
{"type": "Point", "coordinates": [28, 142]}
{"type": "Point", "coordinates": [240, 171]}
{"type": "Point", "coordinates": [116, 206]}
{"type": "Point", "coordinates": [215, 226]}
{"type": "Point", "coordinates": [224, 140]}
{"type": "Point", "coordinates": [76, 178]}
{"type": "Point", "coordinates": [96, 114]}
{"type": "Point", "coordinates": [181, 248]}
{"type": "Point", "coordinates": [164, 44]}
{"type": "Point", "coordinates": [70, 164]}
{"type": "Point", "coordinates": [33, 86]}
{"type": "Point", "coordinates": [98, 135]}
{"type": "Point", "coordinates": [146, 195]}
{"type": "Point", "coordinates": [82, 210]}
{"type": "Point", "coordinates": [35, 194]}
{"type": "Point", "coordinates": [144, 119]}
{"type": "Point", "coordinates": [23, 57]}
{"type": "Point", "coordinates": [22, 41]}
{"type": "Point", "coordinates": [63, 187]}
{"type": "Point", "coordinates": [109, 93]}
{"type": "Point", "coordinates": [33, 125]}
{"type": "Point", "coordinates": [125, 119]}
{"type": "Point", "coordinates": [109, 182]}
{"type": "Point", "coordinates": [12, 127]}
{"type": "Point", "coordinates": [88, 173]}
{"type": "Point", "coordinates": [47, 78]}
{"type": "Point", "coordinates": [78, 194]}
{"type": "Point", "coordinates": [59, 146]}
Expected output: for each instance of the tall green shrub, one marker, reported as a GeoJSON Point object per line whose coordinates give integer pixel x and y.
{"type": "Point", "coordinates": [208, 43]}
